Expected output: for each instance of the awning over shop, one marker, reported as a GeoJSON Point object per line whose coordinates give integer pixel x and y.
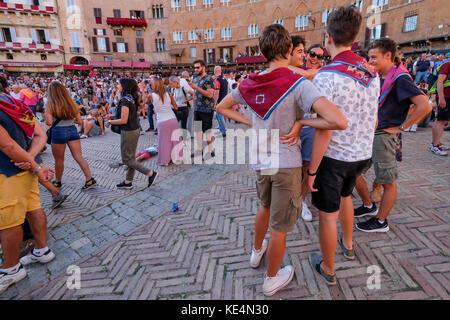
{"type": "Point", "coordinates": [141, 65]}
{"type": "Point", "coordinates": [120, 64]}
{"type": "Point", "coordinates": [30, 64]}
{"type": "Point", "coordinates": [254, 59]}
{"type": "Point", "coordinates": [76, 67]}
{"type": "Point", "coordinates": [176, 52]}
{"type": "Point", "coordinates": [101, 64]}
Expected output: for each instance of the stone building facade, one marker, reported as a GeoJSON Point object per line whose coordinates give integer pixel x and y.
{"type": "Point", "coordinates": [222, 30]}
{"type": "Point", "coordinates": [30, 37]}
{"type": "Point", "coordinates": [133, 35]}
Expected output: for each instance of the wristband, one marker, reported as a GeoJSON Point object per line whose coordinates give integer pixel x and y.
{"type": "Point", "coordinates": [37, 170]}
{"type": "Point", "coordinates": [401, 128]}
{"type": "Point", "coordinates": [312, 174]}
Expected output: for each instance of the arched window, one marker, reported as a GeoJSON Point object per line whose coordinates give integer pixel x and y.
{"type": "Point", "coordinates": [160, 42]}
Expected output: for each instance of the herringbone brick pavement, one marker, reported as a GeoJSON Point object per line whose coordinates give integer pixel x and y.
{"type": "Point", "coordinates": [202, 251]}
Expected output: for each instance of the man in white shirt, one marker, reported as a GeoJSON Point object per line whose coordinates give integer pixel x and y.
{"type": "Point", "coordinates": [15, 92]}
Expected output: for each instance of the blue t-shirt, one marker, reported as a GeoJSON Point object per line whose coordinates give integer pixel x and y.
{"type": "Point", "coordinates": [395, 109]}
{"type": "Point", "coordinates": [8, 168]}
{"type": "Point", "coordinates": [423, 65]}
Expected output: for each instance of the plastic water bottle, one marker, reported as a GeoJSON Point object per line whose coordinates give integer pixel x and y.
{"type": "Point", "coordinates": [175, 208]}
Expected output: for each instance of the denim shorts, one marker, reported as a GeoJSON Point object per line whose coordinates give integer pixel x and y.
{"type": "Point", "coordinates": [62, 135]}
{"type": "Point", "coordinates": [307, 138]}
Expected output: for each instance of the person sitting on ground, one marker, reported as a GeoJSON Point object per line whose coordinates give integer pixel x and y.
{"type": "Point", "coordinates": [93, 125]}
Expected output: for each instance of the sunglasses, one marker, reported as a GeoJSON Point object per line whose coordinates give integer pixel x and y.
{"type": "Point", "coordinates": [312, 54]}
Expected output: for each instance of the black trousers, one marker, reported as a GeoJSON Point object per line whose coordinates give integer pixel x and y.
{"type": "Point", "coordinates": [182, 115]}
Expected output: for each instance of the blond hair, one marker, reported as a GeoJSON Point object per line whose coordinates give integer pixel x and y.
{"type": "Point", "coordinates": [60, 104]}
{"type": "Point", "coordinates": [159, 88]}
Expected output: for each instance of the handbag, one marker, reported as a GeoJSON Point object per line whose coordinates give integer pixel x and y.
{"type": "Point", "coordinates": [114, 127]}
{"type": "Point", "coordinates": [49, 131]}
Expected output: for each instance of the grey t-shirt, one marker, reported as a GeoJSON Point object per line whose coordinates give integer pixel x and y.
{"type": "Point", "coordinates": [267, 152]}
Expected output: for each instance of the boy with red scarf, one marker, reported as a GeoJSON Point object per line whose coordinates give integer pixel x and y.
{"type": "Point", "coordinates": [278, 97]}
{"type": "Point", "coordinates": [338, 157]}
{"type": "Point", "coordinates": [398, 92]}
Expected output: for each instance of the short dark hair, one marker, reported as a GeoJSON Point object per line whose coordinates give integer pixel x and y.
{"type": "Point", "coordinates": [343, 25]}
{"type": "Point", "coordinates": [385, 45]}
{"type": "Point", "coordinates": [298, 40]}
{"type": "Point", "coordinates": [3, 83]}
{"type": "Point", "coordinates": [202, 63]}
{"type": "Point", "coordinates": [275, 42]}
{"type": "Point", "coordinates": [313, 46]}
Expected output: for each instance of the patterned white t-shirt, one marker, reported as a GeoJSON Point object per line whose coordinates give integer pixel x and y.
{"type": "Point", "coordinates": [359, 104]}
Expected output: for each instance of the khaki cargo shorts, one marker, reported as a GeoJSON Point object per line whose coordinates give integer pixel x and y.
{"type": "Point", "coordinates": [384, 157]}
{"type": "Point", "coordinates": [281, 193]}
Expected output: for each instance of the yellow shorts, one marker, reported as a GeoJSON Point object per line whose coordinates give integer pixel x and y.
{"type": "Point", "coordinates": [19, 194]}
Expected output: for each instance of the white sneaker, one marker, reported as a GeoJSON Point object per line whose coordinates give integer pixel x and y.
{"type": "Point", "coordinates": [413, 128]}
{"type": "Point", "coordinates": [282, 279]}
{"type": "Point", "coordinates": [438, 150]}
{"type": "Point", "coordinates": [7, 280]}
{"type": "Point", "coordinates": [256, 257]}
{"type": "Point", "coordinates": [306, 213]}
{"type": "Point", "coordinates": [31, 258]}
{"type": "Point", "coordinates": [444, 147]}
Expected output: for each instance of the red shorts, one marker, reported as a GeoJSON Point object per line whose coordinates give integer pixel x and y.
{"type": "Point", "coordinates": [145, 154]}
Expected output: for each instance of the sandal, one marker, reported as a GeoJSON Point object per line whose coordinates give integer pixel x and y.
{"type": "Point", "coordinates": [57, 184]}
{"type": "Point", "coordinates": [89, 184]}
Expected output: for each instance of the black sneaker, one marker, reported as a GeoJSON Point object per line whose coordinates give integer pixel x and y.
{"type": "Point", "coordinates": [348, 254]}
{"type": "Point", "coordinates": [315, 260]}
{"type": "Point", "coordinates": [58, 200]}
{"type": "Point", "coordinates": [373, 225]}
{"type": "Point", "coordinates": [363, 211]}
{"type": "Point", "coordinates": [152, 179]}
{"type": "Point", "coordinates": [124, 185]}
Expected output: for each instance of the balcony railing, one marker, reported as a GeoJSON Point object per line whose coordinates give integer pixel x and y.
{"type": "Point", "coordinates": [76, 50]}
{"type": "Point", "coordinates": [27, 8]}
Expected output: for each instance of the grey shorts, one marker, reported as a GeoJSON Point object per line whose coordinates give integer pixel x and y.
{"type": "Point", "coordinates": [307, 138]}
{"type": "Point", "coordinates": [282, 194]}
{"type": "Point", "coordinates": [384, 158]}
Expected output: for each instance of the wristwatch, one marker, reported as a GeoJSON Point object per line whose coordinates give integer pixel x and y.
{"type": "Point", "coordinates": [401, 128]}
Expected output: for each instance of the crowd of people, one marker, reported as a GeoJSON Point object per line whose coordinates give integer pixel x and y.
{"type": "Point", "coordinates": [336, 118]}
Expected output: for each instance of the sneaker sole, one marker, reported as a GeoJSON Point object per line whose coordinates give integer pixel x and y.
{"type": "Point", "coordinates": [125, 188]}
{"type": "Point", "coordinates": [271, 293]}
{"type": "Point", "coordinates": [48, 258]}
{"type": "Point", "coordinates": [369, 214]}
{"type": "Point", "coordinates": [375, 230]}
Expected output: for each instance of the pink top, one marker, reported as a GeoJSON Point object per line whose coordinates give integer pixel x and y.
{"type": "Point", "coordinates": [28, 97]}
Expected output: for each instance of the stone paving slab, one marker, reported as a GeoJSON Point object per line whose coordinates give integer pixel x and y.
{"type": "Point", "coordinates": [136, 248]}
